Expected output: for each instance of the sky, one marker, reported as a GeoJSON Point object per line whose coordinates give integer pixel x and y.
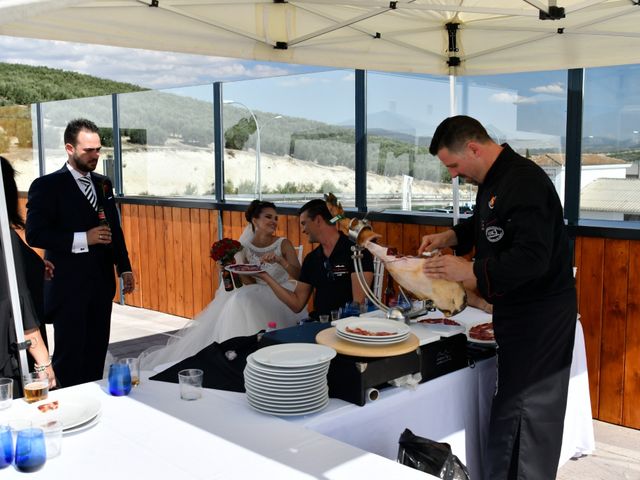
{"type": "Point", "coordinates": [146, 68]}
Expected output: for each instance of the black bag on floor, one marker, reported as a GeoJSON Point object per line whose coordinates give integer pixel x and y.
{"type": "Point", "coordinates": [430, 457]}
{"type": "Point", "coordinates": [223, 364]}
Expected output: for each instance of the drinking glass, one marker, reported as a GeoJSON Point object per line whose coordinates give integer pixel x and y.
{"type": "Point", "coordinates": [31, 453]}
{"type": "Point", "coordinates": [324, 318]}
{"type": "Point", "coordinates": [335, 315]}
{"type": "Point", "coordinates": [119, 379]}
{"type": "Point", "coordinates": [190, 383]}
{"type": "Point", "coordinates": [6, 392]}
{"type": "Point", "coordinates": [52, 437]}
{"type": "Point", "coordinates": [6, 446]}
{"type": "Point", "coordinates": [134, 369]}
{"type": "Point", "coordinates": [36, 386]}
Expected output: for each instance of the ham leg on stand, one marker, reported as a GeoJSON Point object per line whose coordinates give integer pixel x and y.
{"type": "Point", "coordinates": [447, 296]}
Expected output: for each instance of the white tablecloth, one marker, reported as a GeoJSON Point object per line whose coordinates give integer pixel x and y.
{"type": "Point", "coordinates": [455, 409]}
{"type": "Point", "coordinates": [152, 434]}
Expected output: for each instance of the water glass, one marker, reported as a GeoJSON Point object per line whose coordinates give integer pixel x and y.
{"type": "Point", "coordinates": [31, 453]}
{"type": "Point", "coordinates": [6, 392]}
{"type": "Point", "coordinates": [36, 386]}
{"type": "Point", "coordinates": [119, 379]}
{"type": "Point", "coordinates": [6, 446]}
{"type": "Point", "coordinates": [134, 369]}
{"type": "Point", "coordinates": [190, 383]}
{"type": "Point", "coordinates": [335, 315]}
{"type": "Point", "coordinates": [52, 437]}
{"type": "Point", "coordinates": [324, 318]}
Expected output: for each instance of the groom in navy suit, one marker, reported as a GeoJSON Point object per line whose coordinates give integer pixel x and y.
{"type": "Point", "coordinates": [63, 213]}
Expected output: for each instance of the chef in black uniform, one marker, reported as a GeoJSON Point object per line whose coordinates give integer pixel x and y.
{"type": "Point", "coordinates": [523, 267]}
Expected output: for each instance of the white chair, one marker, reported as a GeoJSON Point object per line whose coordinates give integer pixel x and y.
{"type": "Point", "coordinates": [378, 277]}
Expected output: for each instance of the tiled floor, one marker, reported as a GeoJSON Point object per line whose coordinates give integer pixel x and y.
{"type": "Point", "coordinates": [617, 454]}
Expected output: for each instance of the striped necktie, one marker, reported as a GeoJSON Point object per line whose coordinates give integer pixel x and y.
{"type": "Point", "coordinates": [85, 182]}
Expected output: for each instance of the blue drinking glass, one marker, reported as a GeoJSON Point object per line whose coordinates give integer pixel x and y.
{"type": "Point", "coordinates": [119, 379]}
{"type": "Point", "coordinates": [31, 453]}
{"type": "Point", "coordinates": [6, 446]}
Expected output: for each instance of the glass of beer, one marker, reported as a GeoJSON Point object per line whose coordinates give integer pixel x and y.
{"type": "Point", "coordinates": [36, 386]}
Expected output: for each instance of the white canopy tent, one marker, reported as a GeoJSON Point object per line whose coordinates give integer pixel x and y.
{"type": "Point", "coordinates": [440, 37]}
{"type": "Point", "coordinates": [457, 37]}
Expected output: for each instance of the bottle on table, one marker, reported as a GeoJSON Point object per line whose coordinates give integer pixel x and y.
{"type": "Point", "coordinates": [227, 281]}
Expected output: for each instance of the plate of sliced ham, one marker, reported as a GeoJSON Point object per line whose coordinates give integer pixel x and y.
{"type": "Point", "coordinates": [244, 268]}
{"type": "Point", "coordinates": [373, 331]}
{"type": "Point", "coordinates": [481, 333]}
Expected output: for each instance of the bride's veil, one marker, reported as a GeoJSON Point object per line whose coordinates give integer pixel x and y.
{"type": "Point", "coordinates": [247, 235]}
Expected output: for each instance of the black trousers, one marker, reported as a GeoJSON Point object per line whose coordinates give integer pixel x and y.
{"type": "Point", "coordinates": [81, 337]}
{"type": "Point", "coordinates": [528, 409]}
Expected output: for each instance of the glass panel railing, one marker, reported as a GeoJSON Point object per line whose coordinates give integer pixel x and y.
{"type": "Point", "coordinates": [56, 116]}
{"type": "Point", "coordinates": [304, 142]}
{"type": "Point", "coordinates": [167, 142]}
{"type": "Point", "coordinates": [609, 179]}
{"type": "Point", "coordinates": [18, 142]}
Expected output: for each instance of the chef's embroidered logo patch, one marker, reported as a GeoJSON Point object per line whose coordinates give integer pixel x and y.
{"type": "Point", "coordinates": [492, 201]}
{"type": "Point", "coordinates": [494, 234]}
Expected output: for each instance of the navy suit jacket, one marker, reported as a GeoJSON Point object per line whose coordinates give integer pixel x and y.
{"type": "Point", "coordinates": [56, 208]}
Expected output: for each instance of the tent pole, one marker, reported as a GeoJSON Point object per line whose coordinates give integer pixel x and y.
{"type": "Point", "coordinates": [455, 185]}
{"type": "Point", "coordinates": [10, 267]}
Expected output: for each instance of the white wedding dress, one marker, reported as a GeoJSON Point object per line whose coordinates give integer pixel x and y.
{"type": "Point", "coordinates": [240, 312]}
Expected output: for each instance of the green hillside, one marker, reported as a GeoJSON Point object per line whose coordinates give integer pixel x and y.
{"type": "Point", "coordinates": [24, 84]}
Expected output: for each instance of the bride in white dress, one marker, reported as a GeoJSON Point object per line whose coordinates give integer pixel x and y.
{"type": "Point", "coordinates": [246, 310]}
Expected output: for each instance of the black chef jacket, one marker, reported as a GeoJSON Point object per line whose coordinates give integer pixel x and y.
{"type": "Point", "coordinates": [524, 268]}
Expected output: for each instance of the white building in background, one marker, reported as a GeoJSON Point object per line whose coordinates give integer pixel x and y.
{"type": "Point", "coordinates": [594, 166]}
{"type": "Point", "coordinates": [611, 199]}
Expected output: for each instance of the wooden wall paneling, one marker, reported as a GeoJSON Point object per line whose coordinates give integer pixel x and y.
{"type": "Point", "coordinates": [170, 260]}
{"type": "Point", "coordinates": [185, 227]}
{"type": "Point", "coordinates": [237, 224]}
{"type": "Point", "coordinates": [134, 247]}
{"type": "Point", "coordinates": [410, 239]}
{"type": "Point", "coordinates": [161, 255]}
{"type": "Point", "coordinates": [614, 320]}
{"type": "Point", "coordinates": [631, 395]}
{"type": "Point", "coordinates": [590, 309]}
{"type": "Point", "coordinates": [226, 225]}
{"type": "Point", "coordinates": [178, 260]}
{"type": "Point", "coordinates": [206, 236]}
{"type": "Point", "coordinates": [394, 236]}
{"type": "Point", "coordinates": [293, 230]}
{"type": "Point", "coordinates": [145, 264]}
{"type": "Point", "coordinates": [381, 229]}
{"type": "Point", "coordinates": [198, 257]}
{"type": "Point", "coordinates": [282, 228]}
{"type": "Point", "coordinates": [152, 248]}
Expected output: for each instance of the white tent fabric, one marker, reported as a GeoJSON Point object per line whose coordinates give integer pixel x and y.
{"type": "Point", "coordinates": [491, 36]}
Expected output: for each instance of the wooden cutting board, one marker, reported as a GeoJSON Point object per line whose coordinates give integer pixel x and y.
{"type": "Point", "coordinates": [329, 338]}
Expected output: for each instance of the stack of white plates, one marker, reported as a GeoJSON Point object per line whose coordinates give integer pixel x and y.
{"type": "Point", "coordinates": [373, 331]}
{"type": "Point", "coordinates": [288, 379]}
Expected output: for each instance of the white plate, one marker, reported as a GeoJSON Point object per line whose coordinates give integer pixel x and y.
{"type": "Point", "coordinates": [293, 382]}
{"type": "Point", "coordinates": [73, 409]}
{"type": "Point", "coordinates": [83, 426]}
{"type": "Point", "coordinates": [289, 401]}
{"type": "Point", "coordinates": [374, 340]}
{"type": "Point", "coordinates": [249, 385]}
{"type": "Point", "coordinates": [234, 269]}
{"type": "Point", "coordinates": [259, 367]}
{"type": "Point", "coordinates": [294, 355]}
{"type": "Point", "coordinates": [291, 412]}
{"type": "Point", "coordinates": [398, 329]}
{"type": "Point", "coordinates": [288, 408]}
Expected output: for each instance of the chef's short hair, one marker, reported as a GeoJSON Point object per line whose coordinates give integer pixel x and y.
{"type": "Point", "coordinates": [454, 132]}
{"type": "Point", "coordinates": [316, 207]}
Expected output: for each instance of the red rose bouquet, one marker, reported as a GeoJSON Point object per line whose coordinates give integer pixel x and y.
{"type": "Point", "coordinates": [223, 250]}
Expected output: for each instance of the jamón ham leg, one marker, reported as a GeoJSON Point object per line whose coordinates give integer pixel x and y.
{"type": "Point", "coordinates": [449, 297]}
